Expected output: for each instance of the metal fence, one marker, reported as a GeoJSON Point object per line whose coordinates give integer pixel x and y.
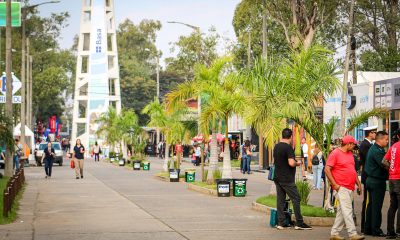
{"type": "Point", "coordinates": [14, 185]}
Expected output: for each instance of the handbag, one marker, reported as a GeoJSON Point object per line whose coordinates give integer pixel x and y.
{"type": "Point", "coordinates": [315, 160]}
{"type": "Point", "coordinates": [271, 174]}
{"type": "Point", "coordinates": [72, 163]}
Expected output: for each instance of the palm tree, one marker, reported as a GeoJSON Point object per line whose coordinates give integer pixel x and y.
{"type": "Point", "coordinates": [217, 86]}
{"type": "Point", "coordinates": [131, 132]}
{"type": "Point", "coordinates": [108, 127]}
{"type": "Point", "coordinates": [173, 125]}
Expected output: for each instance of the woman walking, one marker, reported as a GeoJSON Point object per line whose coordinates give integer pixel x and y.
{"type": "Point", "coordinates": [318, 163]}
{"type": "Point", "coordinates": [48, 158]}
{"type": "Point", "coordinates": [78, 156]}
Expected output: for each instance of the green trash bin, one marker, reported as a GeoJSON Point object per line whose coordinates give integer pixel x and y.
{"type": "Point", "coordinates": [190, 176]}
{"type": "Point", "coordinates": [239, 187]}
{"type": "Point", "coordinates": [146, 166]}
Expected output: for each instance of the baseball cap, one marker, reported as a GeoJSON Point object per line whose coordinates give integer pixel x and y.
{"type": "Point", "coordinates": [348, 139]}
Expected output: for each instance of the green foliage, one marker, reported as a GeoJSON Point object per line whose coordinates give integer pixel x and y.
{"type": "Point", "coordinates": [306, 210]}
{"type": "Point", "coordinates": [205, 185]}
{"type": "Point", "coordinates": [217, 174]}
{"type": "Point", "coordinates": [204, 176]}
{"type": "Point", "coordinates": [304, 189]}
{"type": "Point", "coordinates": [112, 155]}
{"type": "Point", "coordinates": [197, 48]}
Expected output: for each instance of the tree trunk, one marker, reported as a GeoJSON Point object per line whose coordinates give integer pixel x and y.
{"type": "Point", "coordinates": [226, 168]}
{"type": "Point", "coordinates": [165, 167]}
{"type": "Point", "coordinates": [213, 157]}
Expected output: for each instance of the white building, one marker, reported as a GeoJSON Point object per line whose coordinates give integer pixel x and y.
{"type": "Point", "coordinates": [365, 98]}
{"type": "Point", "coordinates": [97, 84]}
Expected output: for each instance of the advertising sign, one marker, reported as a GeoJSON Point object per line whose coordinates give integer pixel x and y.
{"type": "Point", "coordinates": [98, 90]}
{"type": "Point", "coordinates": [387, 93]}
{"type": "Point", "coordinates": [15, 14]}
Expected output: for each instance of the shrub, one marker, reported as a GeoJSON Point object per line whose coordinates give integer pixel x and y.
{"type": "Point", "coordinates": [204, 177]}
{"type": "Point", "coordinates": [217, 174]}
{"type": "Point", "coordinates": [112, 154]}
{"type": "Point", "coordinates": [304, 191]}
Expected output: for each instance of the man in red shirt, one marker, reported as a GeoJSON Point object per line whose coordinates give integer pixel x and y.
{"type": "Point", "coordinates": [340, 170]}
{"type": "Point", "coordinates": [392, 162]}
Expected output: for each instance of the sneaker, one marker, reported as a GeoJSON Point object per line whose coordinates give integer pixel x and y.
{"type": "Point", "coordinates": [282, 227]}
{"type": "Point", "coordinates": [303, 227]}
{"type": "Point", "coordinates": [336, 237]}
{"type": "Point", "coordinates": [45, 177]}
{"type": "Point", "coordinates": [357, 237]}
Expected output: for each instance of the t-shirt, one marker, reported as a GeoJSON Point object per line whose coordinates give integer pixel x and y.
{"type": "Point", "coordinates": [304, 147]}
{"type": "Point", "coordinates": [77, 151]}
{"type": "Point", "coordinates": [283, 171]}
{"type": "Point", "coordinates": [343, 168]}
{"type": "Point", "coordinates": [178, 148]}
{"type": "Point", "coordinates": [393, 155]}
{"type": "Point", "coordinates": [198, 152]}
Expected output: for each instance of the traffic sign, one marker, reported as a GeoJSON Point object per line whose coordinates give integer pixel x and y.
{"type": "Point", "coordinates": [16, 84]}
{"type": "Point", "coordinates": [15, 99]}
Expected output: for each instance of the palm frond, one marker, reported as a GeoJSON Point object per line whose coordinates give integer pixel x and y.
{"type": "Point", "coordinates": [361, 117]}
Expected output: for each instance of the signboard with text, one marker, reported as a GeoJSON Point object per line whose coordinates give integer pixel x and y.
{"type": "Point", "coordinates": [15, 14]}
{"type": "Point", "coordinates": [387, 93]}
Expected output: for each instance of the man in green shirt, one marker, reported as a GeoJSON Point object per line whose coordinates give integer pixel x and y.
{"type": "Point", "coordinates": [376, 185]}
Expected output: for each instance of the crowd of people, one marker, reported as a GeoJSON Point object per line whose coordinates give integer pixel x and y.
{"type": "Point", "coordinates": [372, 158]}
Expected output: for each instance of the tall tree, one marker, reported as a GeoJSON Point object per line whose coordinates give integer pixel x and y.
{"type": "Point", "coordinates": [197, 48]}
{"type": "Point", "coordinates": [377, 23]}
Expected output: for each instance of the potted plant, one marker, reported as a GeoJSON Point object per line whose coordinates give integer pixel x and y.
{"type": "Point", "coordinates": [112, 156]}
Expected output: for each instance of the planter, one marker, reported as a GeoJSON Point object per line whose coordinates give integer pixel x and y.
{"type": "Point", "coordinates": [174, 175]}
{"type": "Point", "coordinates": [136, 165]}
{"type": "Point", "coordinates": [224, 187]}
{"type": "Point", "coordinates": [112, 159]}
{"type": "Point", "coordinates": [146, 166]}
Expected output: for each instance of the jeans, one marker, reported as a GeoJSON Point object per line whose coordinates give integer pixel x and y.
{"type": "Point", "coordinates": [16, 162]}
{"type": "Point", "coordinates": [305, 164]}
{"type": "Point", "coordinates": [394, 191]}
{"type": "Point", "coordinates": [291, 190]}
{"type": "Point", "coordinates": [246, 164]}
{"type": "Point", "coordinates": [317, 175]}
{"type": "Point", "coordinates": [96, 156]}
{"type": "Point", "coordinates": [48, 165]}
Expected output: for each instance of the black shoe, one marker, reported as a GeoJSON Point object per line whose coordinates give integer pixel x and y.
{"type": "Point", "coordinates": [77, 177]}
{"type": "Point", "coordinates": [379, 235]}
{"type": "Point", "coordinates": [303, 227]}
{"type": "Point", "coordinates": [81, 176]}
{"type": "Point", "coordinates": [282, 227]}
{"type": "Point", "coordinates": [391, 235]}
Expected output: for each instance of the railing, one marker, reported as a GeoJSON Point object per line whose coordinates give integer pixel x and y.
{"type": "Point", "coordinates": [14, 185]}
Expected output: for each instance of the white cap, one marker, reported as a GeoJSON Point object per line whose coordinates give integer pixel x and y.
{"type": "Point", "coordinates": [370, 128]}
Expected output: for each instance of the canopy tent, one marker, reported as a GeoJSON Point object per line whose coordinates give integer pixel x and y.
{"type": "Point", "coordinates": [28, 133]}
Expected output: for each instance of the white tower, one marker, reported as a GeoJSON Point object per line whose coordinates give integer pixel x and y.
{"type": "Point", "coordinates": [97, 73]}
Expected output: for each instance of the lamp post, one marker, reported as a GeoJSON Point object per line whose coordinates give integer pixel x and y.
{"type": "Point", "coordinates": [197, 30]}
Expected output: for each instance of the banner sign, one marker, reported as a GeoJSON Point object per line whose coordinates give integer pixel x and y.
{"type": "Point", "coordinates": [387, 93]}
{"type": "Point", "coordinates": [98, 90]}
{"type": "Point", "coordinates": [15, 14]}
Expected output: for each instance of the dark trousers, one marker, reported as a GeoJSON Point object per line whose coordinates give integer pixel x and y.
{"type": "Point", "coordinates": [96, 157]}
{"type": "Point", "coordinates": [363, 181]}
{"type": "Point", "coordinates": [48, 165]}
{"type": "Point", "coordinates": [394, 191]}
{"type": "Point", "coordinates": [198, 160]}
{"type": "Point", "coordinates": [376, 189]}
{"type": "Point", "coordinates": [291, 190]}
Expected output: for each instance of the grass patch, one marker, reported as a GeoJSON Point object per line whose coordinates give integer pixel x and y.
{"type": "Point", "coordinates": [306, 210]}
{"type": "Point", "coordinates": [205, 185]}
{"type": "Point", "coordinates": [13, 214]}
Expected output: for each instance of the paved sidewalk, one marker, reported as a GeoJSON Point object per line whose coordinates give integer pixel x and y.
{"type": "Point", "coordinates": [116, 203]}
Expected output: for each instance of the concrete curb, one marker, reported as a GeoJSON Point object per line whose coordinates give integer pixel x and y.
{"type": "Point", "coordinates": [203, 190]}
{"type": "Point", "coordinates": [165, 179]}
{"type": "Point", "coordinates": [312, 221]}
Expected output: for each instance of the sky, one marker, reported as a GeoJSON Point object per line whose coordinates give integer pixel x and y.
{"type": "Point", "coordinates": [201, 13]}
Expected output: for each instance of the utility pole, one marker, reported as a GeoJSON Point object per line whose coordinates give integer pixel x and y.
{"type": "Point", "coordinates": [28, 83]}
{"type": "Point", "coordinates": [264, 56]}
{"type": "Point", "coordinates": [8, 171]}
{"type": "Point", "coordinates": [23, 80]}
{"type": "Point", "coordinates": [346, 72]}
{"type": "Point", "coordinates": [158, 91]}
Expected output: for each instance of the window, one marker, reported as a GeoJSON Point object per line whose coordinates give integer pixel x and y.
{"type": "Point", "coordinates": [109, 42]}
{"type": "Point", "coordinates": [85, 64]}
{"type": "Point", "coordinates": [81, 129]}
{"type": "Point", "coordinates": [86, 42]}
{"type": "Point", "coordinates": [87, 3]}
{"type": "Point", "coordinates": [82, 109]}
{"type": "Point", "coordinates": [110, 62]}
{"type": "Point", "coordinates": [108, 3]}
{"type": "Point", "coordinates": [111, 84]}
{"type": "Point", "coordinates": [83, 90]}
{"type": "Point", "coordinates": [86, 16]}
{"type": "Point", "coordinates": [113, 104]}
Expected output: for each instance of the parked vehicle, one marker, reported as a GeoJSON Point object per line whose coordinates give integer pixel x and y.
{"type": "Point", "coordinates": [57, 149]}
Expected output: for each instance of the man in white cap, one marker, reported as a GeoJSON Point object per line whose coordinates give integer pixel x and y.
{"type": "Point", "coordinates": [365, 145]}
